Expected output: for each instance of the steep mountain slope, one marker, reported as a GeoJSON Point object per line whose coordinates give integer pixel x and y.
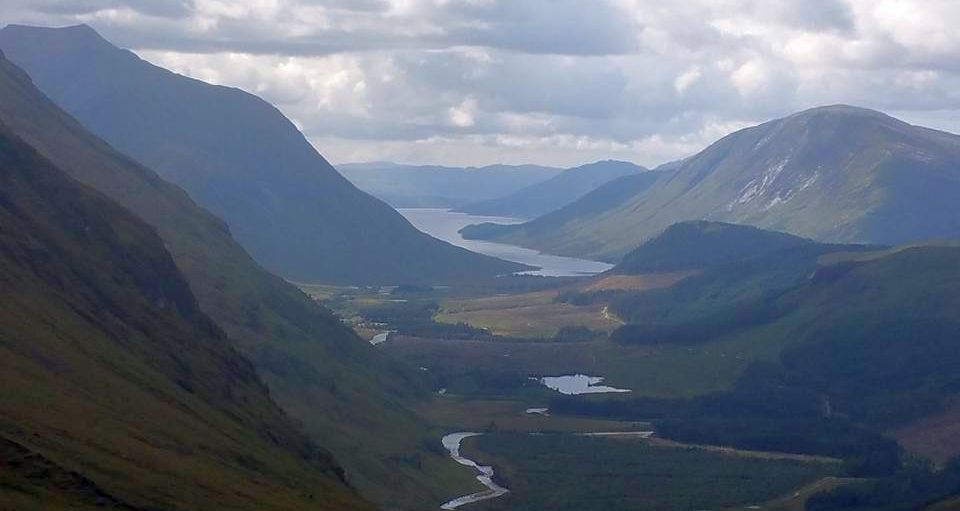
{"type": "Point", "coordinates": [239, 157]}
{"type": "Point", "coordinates": [838, 173]}
{"type": "Point", "coordinates": [881, 333]}
{"type": "Point", "coordinates": [541, 198]}
{"type": "Point", "coordinates": [696, 245]}
{"type": "Point", "coordinates": [555, 228]}
{"type": "Point", "coordinates": [855, 345]}
{"type": "Point", "coordinates": [874, 328]}
{"type": "Point", "coordinates": [873, 341]}
{"type": "Point", "coordinates": [433, 186]}
{"type": "Point", "coordinates": [351, 400]}
{"type": "Point", "coordinates": [735, 273]}
{"type": "Point", "coordinates": [117, 390]}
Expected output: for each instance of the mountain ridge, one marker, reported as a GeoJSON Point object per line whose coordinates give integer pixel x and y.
{"type": "Point", "coordinates": [541, 198]}
{"type": "Point", "coordinates": [239, 157]}
{"type": "Point", "coordinates": [436, 186]}
{"type": "Point", "coordinates": [116, 386]}
{"type": "Point", "coordinates": [334, 383]}
{"type": "Point", "coordinates": [834, 174]}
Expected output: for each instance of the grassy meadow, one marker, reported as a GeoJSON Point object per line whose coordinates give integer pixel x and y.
{"type": "Point", "coordinates": [570, 472]}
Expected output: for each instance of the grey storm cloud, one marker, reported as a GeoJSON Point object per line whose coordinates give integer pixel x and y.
{"type": "Point", "coordinates": [547, 81]}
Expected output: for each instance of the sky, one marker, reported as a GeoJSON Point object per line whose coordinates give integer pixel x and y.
{"type": "Point", "coordinates": [553, 82]}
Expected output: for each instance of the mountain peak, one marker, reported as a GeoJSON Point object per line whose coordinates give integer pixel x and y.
{"type": "Point", "coordinates": [609, 163]}
{"type": "Point", "coordinates": [840, 108]}
{"type": "Point", "coordinates": [81, 30]}
{"type": "Point", "coordinates": [81, 36]}
{"type": "Point", "coordinates": [841, 111]}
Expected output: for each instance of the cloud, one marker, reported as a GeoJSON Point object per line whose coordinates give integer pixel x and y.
{"type": "Point", "coordinates": [160, 8]}
{"type": "Point", "coordinates": [550, 81]}
{"type": "Point", "coordinates": [463, 115]}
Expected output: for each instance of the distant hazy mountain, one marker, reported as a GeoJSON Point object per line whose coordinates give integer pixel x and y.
{"type": "Point", "coordinates": [541, 198]}
{"type": "Point", "coordinates": [342, 391]}
{"type": "Point", "coordinates": [239, 157]}
{"type": "Point", "coordinates": [116, 387]}
{"type": "Point", "coordinates": [838, 173]}
{"type": "Point", "coordinates": [553, 228]}
{"type": "Point", "coordinates": [432, 186]}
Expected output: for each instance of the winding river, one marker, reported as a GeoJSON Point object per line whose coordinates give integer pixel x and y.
{"type": "Point", "coordinates": [445, 224]}
{"type": "Point", "coordinates": [452, 443]}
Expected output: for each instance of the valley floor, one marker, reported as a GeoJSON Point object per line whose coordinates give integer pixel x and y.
{"type": "Point", "coordinates": [484, 385]}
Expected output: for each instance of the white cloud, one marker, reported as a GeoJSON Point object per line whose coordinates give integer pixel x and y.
{"type": "Point", "coordinates": [463, 114]}
{"type": "Point", "coordinates": [551, 81]}
{"type": "Point", "coordinates": [686, 79]}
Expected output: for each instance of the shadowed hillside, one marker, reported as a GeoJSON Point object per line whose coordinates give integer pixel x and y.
{"type": "Point", "coordinates": [346, 396]}
{"type": "Point", "coordinates": [118, 392]}
{"type": "Point", "coordinates": [700, 244]}
{"type": "Point", "coordinates": [240, 158]}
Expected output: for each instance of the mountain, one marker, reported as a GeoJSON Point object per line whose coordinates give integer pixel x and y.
{"type": "Point", "coordinates": [836, 174]}
{"type": "Point", "coordinates": [701, 244]}
{"type": "Point", "coordinates": [433, 186]}
{"type": "Point", "coordinates": [348, 398]}
{"type": "Point", "coordinates": [848, 348]}
{"type": "Point", "coordinates": [118, 392]}
{"type": "Point", "coordinates": [541, 198]}
{"type": "Point", "coordinates": [872, 328]}
{"type": "Point", "coordinates": [875, 337]}
{"type": "Point", "coordinates": [555, 228]}
{"type": "Point", "coordinates": [733, 277]}
{"type": "Point", "coordinates": [240, 158]}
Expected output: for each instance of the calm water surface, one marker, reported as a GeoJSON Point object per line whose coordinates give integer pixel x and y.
{"type": "Point", "coordinates": [574, 384]}
{"type": "Point", "coordinates": [445, 224]}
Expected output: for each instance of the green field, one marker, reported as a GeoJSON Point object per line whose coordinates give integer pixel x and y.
{"type": "Point", "coordinates": [524, 315]}
{"type": "Point", "coordinates": [656, 371]}
{"type": "Point", "coordinates": [569, 472]}
{"type": "Point", "coordinates": [538, 314]}
{"type": "Point", "coordinates": [452, 413]}
{"type": "Point", "coordinates": [796, 500]}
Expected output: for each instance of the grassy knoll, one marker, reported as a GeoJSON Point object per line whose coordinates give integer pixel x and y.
{"type": "Point", "coordinates": [567, 472]}
{"type": "Point", "coordinates": [524, 315]}
{"type": "Point", "coordinates": [538, 313]}
{"type": "Point", "coordinates": [641, 282]}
